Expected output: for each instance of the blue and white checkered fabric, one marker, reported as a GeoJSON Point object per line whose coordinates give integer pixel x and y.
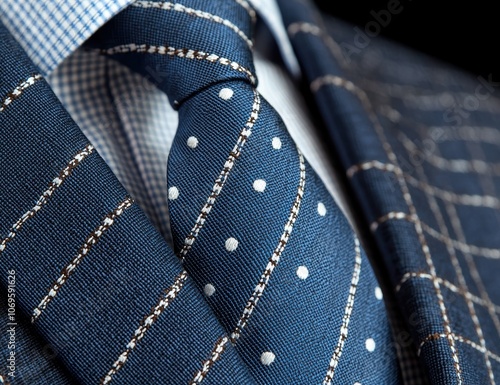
{"type": "Point", "coordinates": [50, 30]}
{"type": "Point", "coordinates": [128, 120]}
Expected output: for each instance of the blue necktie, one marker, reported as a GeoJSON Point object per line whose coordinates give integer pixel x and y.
{"type": "Point", "coordinates": [251, 222]}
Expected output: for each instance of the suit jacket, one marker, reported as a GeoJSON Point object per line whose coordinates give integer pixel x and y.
{"type": "Point", "coordinates": [415, 144]}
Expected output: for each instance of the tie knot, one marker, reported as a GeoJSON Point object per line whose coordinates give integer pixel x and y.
{"type": "Point", "coordinates": [182, 47]}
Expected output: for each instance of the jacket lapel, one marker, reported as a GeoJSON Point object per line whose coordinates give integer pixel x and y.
{"type": "Point", "coordinates": [105, 295]}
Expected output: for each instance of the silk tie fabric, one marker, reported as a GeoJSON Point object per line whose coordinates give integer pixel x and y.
{"type": "Point", "coordinates": [251, 222]}
{"type": "Point", "coordinates": [418, 142]}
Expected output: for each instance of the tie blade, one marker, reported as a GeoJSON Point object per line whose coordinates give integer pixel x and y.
{"type": "Point", "coordinates": [268, 246]}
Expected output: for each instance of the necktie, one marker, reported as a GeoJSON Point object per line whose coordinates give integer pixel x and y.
{"type": "Point", "coordinates": [251, 222]}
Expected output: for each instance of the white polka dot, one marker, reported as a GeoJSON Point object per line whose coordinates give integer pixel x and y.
{"type": "Point", "coordinates": [259, 185]}
{"type": "Point", "coordinates": [192, 142]}
{"type": "Point", "coordinates": [276, 143]}
{"type": "Point", "coordinates": [231, 244]}
{"type": "Point", "coordinates": [357, 383]}
{"type": "Point", "coordinates": [370, 344]}
{"type": "Point", "coordinates": [173, 193]}
{"type": "Point", "coordinates": [378, 293]}
{"type": "Point", "coordinates": [302, 272]}
{"type": "Point", "coordinates": [267, 358]}
{"type": "Point", "coordinates": [209, 289]}
{"type": "Point", "coordinates": [321, 209]}
{"type": "Point", "coordinates": [226, 93]}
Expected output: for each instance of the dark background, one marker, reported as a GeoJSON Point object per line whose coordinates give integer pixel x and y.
{"type": "Point", "coordinates": [466, 34]}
